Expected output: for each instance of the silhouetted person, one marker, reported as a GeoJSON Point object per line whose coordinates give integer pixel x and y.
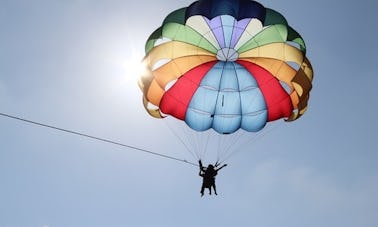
{"type": "Point", "coordinates": [208, 174]}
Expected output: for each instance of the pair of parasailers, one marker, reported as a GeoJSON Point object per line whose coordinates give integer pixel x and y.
{"type": "Point", "coordinates": [208, 174]}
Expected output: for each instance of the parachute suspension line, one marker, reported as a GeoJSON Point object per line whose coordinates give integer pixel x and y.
{"type": "Point", "coordinates": [242, 140]}
{"type": "Point", "coordinates": [241, 145]}
{"type": "Point", "coordinates": [96, 138]}
{"type": "Point", "coordinates": [190, 142]}
{"type": "Point", "coordinates": [219, 151]}
{"type": "Point", "coordinates": [207, 141]}
{"type": "Point", "coordinates": [193, 139]}
{"type": "Point", "coordinates": [203, 141]}
{"type": "Point", "coordinates": [225, 141]}
{"type": "Point", "coordinates": [194, 155]}
{"type": "Point", "coordinates": [222, 105]}
{"type": "Point", "coordinates": [228, 143]}
{"type": "Point", "coordinates": [218, 141]}
{"type": "Point", "coordinates": [259, 135]}
{"type": "Point", "coordinates": [197, 142]}
{"type": "Point", "coordinates": [236, 137]}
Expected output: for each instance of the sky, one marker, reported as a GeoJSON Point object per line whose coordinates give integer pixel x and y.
{"type": "Point", "coordinates": [71, 64]}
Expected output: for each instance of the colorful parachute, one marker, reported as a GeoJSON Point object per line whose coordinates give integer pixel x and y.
{"type": "Point", "coordinates": [226, 65]}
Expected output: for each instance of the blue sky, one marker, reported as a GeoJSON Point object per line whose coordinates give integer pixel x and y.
{"type": "Point", "coordinates": [70, 64]}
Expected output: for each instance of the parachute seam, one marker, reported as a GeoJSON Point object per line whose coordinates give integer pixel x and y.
{"type": "Point", "coordinates": [244, 30]}
{"type": "Point", "coordinates": [203, 35]}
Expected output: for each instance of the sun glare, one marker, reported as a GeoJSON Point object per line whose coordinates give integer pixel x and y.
{"type": "Point", "coordinates": [133, 68]}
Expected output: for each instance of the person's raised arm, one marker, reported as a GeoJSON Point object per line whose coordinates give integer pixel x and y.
{"type": "Point", "coordinates": [201, 166]}
{"type": "Point", "coordinates": [221, 167]}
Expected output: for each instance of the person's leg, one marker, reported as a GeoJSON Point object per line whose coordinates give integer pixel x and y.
{"type": "Point", "coordinates": [215, 189]}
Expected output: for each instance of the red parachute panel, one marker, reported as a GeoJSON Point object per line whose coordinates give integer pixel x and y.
{"type": "Point", "coordinates": [278, 101]}
{"type": "Point", "coordinates": [175, 101]}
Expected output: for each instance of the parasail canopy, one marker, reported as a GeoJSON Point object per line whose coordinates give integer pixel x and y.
{"type": "Point", "coordinates": [226, 65]}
